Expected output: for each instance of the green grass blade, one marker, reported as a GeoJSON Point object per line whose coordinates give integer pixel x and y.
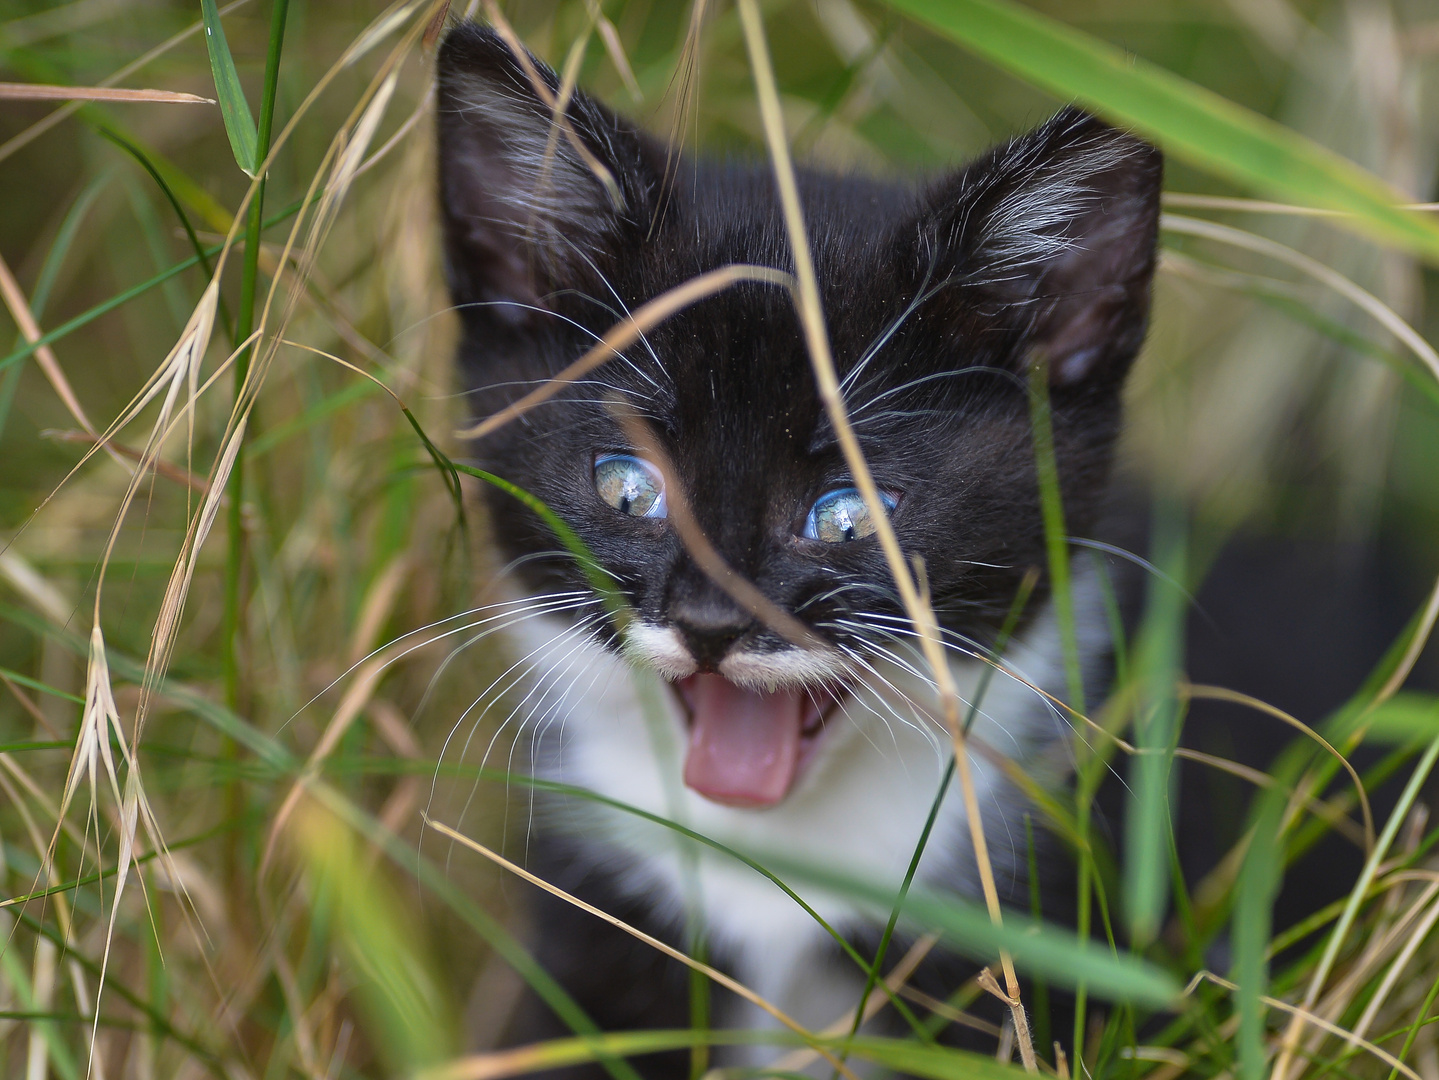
{"type": "Point", "coordinates": [402, 996]}
{"type": "Point", "coordinates": [281, 433]}
{"type": "Point", "coordinates": [599, 578]}
{"type": "Point", "coordinates": [1413, 1031]}
{"type": "Point", "coordinates": [559, 1053]}
{"type": "Point", "coordinates": [442, 462]}
{"type": "Point", "coordinates": [904, 1057]}
{"type": "Point", "coordinates": [36, 684]}
{"type": "Point", "coordinates": [1186, 119]}
{"type": "Point", "coordinates": [1039, 993]}
{"type": "Point", "coordinates": [1016, 608]}
{"type": "Point", "coordinates": [934, 1063]}
{"type": "Point", "coordinates": [149, 166]}
{"type": "Point", "coordinates": [1409, 717]}
{"type": "Point", "coordinates": [230, 658]}
{"type": "Point", "coordinates": [199, 249]}
{"type": "Point", "coordinates": [239, 124]}
{"type": "Point", "coordinates": [1042, 949]}
{"type": "Point", "coordinates": [1161, 651]}
{"type": "Point", "coordinates": [9, 383]}
{"type": "Point", "coordinates": [1056, 541]}
{"type": "Point", "coordinates": [1253, 919]}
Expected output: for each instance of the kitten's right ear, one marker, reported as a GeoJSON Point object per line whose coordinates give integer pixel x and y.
{"type": "Point", "coordinates": [530, 205]}
{"type": "Point", "coordinates": [1054, 234]}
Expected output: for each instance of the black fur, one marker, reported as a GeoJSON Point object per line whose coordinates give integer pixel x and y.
{"type": "Point", "coordinates": [940, 408]}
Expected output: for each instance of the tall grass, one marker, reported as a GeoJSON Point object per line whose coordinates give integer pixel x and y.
{"type": "Point", "coordinates": [219, 747]}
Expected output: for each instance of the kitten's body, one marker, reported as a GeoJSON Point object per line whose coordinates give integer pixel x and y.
{"type": "Point", "coordinates": [938, 301]}
{"type": "Point", "coordinates": [860, 806]}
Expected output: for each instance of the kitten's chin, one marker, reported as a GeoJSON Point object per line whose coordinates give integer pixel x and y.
{"type": "Point", "coordinates": [748, 747]}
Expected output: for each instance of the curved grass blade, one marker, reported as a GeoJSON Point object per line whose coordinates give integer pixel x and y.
{"type": "Point", "coordinates": [1041, 948]}
{"type": "Point", "coordinates": [146, 164]}
{"type": "Point", "coordinates": [1016, 608]}
{"type": "Point", "coordinates": [598, 577]}
{"type": "Point", "coordinates": [1186, 119]}
{"type": "Point", "coordinates": [239, 124]}
{"type": "Point", "coordinates": [558, 1053]}
{"type": "Point", "coordinates": [933, 1063]}
{"type": "Point", "coordinates": [104, 307]}
{"type": "Point", "coordinates": [195, 245]}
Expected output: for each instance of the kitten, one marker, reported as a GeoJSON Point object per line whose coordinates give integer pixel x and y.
{"type": "Point", "coordinates": [938, 296]}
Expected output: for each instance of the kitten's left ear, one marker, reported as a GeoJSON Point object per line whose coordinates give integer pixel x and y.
{"type": "Point", "coordinates": [1055, 235]}
{"type": "Point", "coordinates": [531, 204]}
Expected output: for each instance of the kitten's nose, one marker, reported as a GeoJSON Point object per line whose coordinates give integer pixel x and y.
{"type": "Point", "coordinates": [709, 630]}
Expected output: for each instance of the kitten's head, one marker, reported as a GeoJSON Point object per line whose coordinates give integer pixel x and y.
{"type": "Point", "coordinates": [938, 300]}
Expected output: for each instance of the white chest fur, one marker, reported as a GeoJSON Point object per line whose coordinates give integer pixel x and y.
{"type": "Point", "coordinates": [859, 805]}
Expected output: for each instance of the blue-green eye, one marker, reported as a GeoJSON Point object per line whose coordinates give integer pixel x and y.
{"type": "Point", "coordinates": [631, 485]}
{"type": "Point", "coordinates": [841, 515]}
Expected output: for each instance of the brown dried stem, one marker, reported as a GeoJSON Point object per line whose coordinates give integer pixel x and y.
{"type": "Point", "coordinates": [916, 604]}
{"type": "Point", "coordinates": [624, 334]}
{"type": "Point", "coordinates": [740, 589]}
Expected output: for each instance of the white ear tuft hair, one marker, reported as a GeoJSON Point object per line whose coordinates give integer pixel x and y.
{"type": "Point", "coordinates": [1054, 235]}
{"type": "Point", "coordinates": [531, 195]}
{"type": "Point", "coordinates": [1043, 216]}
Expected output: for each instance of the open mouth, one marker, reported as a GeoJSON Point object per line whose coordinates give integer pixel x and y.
{"type": "Point", "coordinates": [747, 747]}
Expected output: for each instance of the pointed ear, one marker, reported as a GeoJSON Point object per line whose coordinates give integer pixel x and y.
{"type": "Point", "coordinates": [1055, 235]}
{"type": "Point", "coordinates": [531, 203]}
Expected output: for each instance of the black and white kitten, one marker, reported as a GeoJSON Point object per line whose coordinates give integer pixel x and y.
{"type": "Point", "coordinates": [938, 297]}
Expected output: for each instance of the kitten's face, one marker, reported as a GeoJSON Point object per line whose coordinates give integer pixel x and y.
{"type": "Point", "coordinates": [937, 302]}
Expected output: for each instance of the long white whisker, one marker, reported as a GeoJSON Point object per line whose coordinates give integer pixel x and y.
{"type": "Point", "coordinates": [922, 722]}
{"type": "Point", "coordinates": [484, 693]}
{"type": "Point", "coordinates": [541, 729]}
{"type": "Point", "coordinates": [893, 328]}
{"type": "Point", "coordinates": [428, 641]}
{"type": "Point", "coordinates": [644, 339]}
{"type": "Point", "coordinates": [514, 618]}
{"type": "Point", "coordinates": [515, 673]}
{"type": "Point", "coordinates": [501, 685]}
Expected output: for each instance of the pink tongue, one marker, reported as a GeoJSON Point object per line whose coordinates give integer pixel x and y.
{"type": "Point", "coordinates": [744, 745]}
